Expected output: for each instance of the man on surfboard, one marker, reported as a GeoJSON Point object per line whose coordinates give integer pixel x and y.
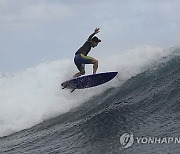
{"type": "Point", "coordinates": [81, 57]}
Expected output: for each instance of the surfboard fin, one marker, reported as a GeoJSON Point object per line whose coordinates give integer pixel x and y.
{"type": "Point", "coordinates": [72, 90]}
{"type": "Point", "coordinates": [63, 86]}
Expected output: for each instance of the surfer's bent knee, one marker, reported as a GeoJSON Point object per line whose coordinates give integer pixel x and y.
{"type": "Point", "coordinates": [95, 61]}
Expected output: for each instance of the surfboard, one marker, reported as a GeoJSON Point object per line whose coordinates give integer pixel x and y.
{"type": "Point", "coordinates": [88, 81]}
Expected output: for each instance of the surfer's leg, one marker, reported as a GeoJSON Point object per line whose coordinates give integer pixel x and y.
{"type": "Point", "coordinates": [90, 60]}
{"type": "Point", "coordinates": [95, 66]}
{"type": "Point", "coordinates": [81, 70]}
{"type": "Point", "coordinates": [80, 66]}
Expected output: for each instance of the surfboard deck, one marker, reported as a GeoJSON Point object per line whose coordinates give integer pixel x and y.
{"type": "Point", "coordinates": [88, 81]}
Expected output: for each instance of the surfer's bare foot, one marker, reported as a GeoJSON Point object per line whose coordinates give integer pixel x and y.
{"type": "Point", "coordinates": [77, 75]}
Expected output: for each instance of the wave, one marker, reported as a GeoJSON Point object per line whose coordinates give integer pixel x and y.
{"type": "Point", "coordinates": [34, 95]}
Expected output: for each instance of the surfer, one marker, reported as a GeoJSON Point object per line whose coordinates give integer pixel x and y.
{"type": "Point", "coordinates": [81, 57]}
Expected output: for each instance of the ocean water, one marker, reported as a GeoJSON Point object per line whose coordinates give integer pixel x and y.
{"type": "Point", "coordinates": [37, 116]}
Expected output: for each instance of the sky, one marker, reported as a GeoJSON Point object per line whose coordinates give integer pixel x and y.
{"type": "Point", "coordinates": [36, 31]}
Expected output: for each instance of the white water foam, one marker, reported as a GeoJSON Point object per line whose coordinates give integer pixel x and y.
{"type": "Point", "coordinates": [34, 95]}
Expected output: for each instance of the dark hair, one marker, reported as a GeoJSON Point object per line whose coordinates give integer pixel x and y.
{"type": "Point", "coordinates": [95, 39]}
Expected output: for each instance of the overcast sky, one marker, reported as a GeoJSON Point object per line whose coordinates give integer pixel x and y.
{"type": "Point", "coordinates": [35, 31]}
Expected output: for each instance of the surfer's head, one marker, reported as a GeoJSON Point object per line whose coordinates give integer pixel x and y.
{"type": "Point", "coordinates": [95, 41]}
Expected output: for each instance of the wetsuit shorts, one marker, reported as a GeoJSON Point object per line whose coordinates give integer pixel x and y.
{"type": "Point", "coordinates": [80, 60]}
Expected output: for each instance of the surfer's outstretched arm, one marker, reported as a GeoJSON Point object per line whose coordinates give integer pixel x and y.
{"type": "Point", "coordinates": [97, 30]}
